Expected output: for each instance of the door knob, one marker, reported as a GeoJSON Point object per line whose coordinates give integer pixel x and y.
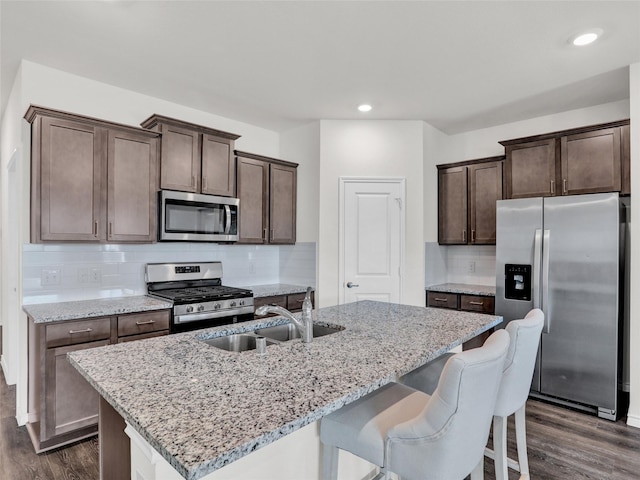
{"type": "Point", "coordinates": [351, 285]}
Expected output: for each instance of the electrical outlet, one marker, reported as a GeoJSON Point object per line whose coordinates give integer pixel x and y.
{"type": "Point", "coordinates": [472, 267]}
{"type": "Point", "coordinates": [83, 275]}
{"type": "Point", "coordinates": [95, 275]}
{"type": "Point", "coordinates": [50, 276]}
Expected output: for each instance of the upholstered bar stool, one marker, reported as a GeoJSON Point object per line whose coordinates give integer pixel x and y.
{"type": "Point", "coordinates": [513, 393]}
{"type": "Point", "coordinates": [420, 436]}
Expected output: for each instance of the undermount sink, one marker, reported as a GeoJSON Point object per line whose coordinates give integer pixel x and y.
{"type": "Point", "coordinates": [288, 331]}
{"type": "Point", "coordinates": [236, 342]}
{"type": "Point", "coordinates": [242, 342]}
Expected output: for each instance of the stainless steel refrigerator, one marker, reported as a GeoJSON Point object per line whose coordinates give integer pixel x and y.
{"type": "Point", "coordinates": [566, 256]}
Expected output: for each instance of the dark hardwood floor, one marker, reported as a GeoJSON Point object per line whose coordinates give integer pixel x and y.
{"type": "Point", "coordinates": [563, 444]}
{"type": "Point", "coordinates": [18, 460]}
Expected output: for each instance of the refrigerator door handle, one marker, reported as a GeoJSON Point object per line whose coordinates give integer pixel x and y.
{"type": "Point", "coordinates": [546, 307]}
{"type": "Point", "coordinates": [537, 253]}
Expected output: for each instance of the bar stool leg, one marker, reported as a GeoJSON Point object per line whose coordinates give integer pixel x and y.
{"type": "Point", "coordinates": [478, 472]}
{"type": "Point", "coordinates": [500, 447]}
{"type": "Point", "coordinates": [521, 439]}
{"type": "Point", "coordinates": [329, 462]}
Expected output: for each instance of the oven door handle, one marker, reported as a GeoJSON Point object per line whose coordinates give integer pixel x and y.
{"type": "Point", "coordinates": [227, 219]}
{"type": "Point", "coordinates": [194, 317]}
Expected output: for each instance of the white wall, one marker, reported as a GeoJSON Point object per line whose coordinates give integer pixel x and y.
{"type": "Point", "coordinates": [370, 149]}
{"type": "Point", "coordinates": [633, 417]}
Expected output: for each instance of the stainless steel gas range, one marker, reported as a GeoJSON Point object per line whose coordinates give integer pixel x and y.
{"type": "Point", "coordinates": [199, 298]}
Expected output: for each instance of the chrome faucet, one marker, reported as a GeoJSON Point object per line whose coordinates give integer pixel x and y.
{"type": "Point", "coordinates": [304, 326]}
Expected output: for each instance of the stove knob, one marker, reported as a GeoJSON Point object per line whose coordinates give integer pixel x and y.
{"type": "Point", "coordinates": [189, 309]}
{"type": "Point", "coordinates": [200, 308]}
{"type": "Point", "coordinates": [216, 306]}
{"type": "Point", "coordinates": [241, 302]}
{"type": "Point", "coordinates": [232, 304]}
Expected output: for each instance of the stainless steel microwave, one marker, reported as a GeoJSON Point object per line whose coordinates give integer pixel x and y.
{"type": "Point", "coordinates": [191, 217]}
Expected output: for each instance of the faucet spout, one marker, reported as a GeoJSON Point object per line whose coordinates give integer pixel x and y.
{"type": "Point", "coordinates": [305, 327]}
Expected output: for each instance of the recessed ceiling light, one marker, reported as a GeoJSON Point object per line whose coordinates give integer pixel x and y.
{"type": "Point", "coordinates": [364, 107]}
{"type": "Point", "coordinates": [585, 38]}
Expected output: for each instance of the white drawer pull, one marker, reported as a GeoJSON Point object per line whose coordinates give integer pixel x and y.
{"type": "Point", "coordinates": [86, 330]}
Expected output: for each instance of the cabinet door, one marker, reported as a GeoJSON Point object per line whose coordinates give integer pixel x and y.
{"type": "Point", "coordinates": [132, 187]}
{"type": "Point", "coordinates": [180, 159]}
{"type": "Point", "coordinates": [452, 206]}
{"type": "Point", "coordinates": [71, 403]}
{"type": "Point", "coordinates": [530, 169]}
{"type": "Point", "coordinates": [253, 195]}
{"type": "Point", "coordinates": [485, 188]}
{"type": "Point", "coordinates": [71, 168]}
{"type": "Point", "coordinates": [282, 204]}
{"type": "Point", "coordinates": [591, 162]}
{"type": "Point", "coordinates": [218, 167]}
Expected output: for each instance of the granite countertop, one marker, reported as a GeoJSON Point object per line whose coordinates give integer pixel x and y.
{"type": "Point", "coordinates": [486, 290]}
{"type": "Point", "coordinates": [275, 289]}
{"type": "Point", "coordinates": [202, 408]}
{"type": "Point", "coordinates": [103, 307]}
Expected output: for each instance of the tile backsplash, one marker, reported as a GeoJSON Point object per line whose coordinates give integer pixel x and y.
{"type": "Point", "coordinates": [470, 264]}
{"type": "Point", "coordinates": [64, 272]}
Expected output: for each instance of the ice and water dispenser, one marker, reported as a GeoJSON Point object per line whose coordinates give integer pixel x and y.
{"type": "Point", "coordinates": [517, 284]}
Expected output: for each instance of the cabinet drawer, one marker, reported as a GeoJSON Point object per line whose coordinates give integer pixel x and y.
{"type": "Point", "coordinates": [71, 333]}
{"type": "Point", "coordinates": [142, 336]}
{"type": "Point", "coordinates": [280, 300]}
{"type": "Point", "coordinates": [442, 300]}
{"type": "Point", "coordinates": [477, 303]}
{"type": "Point", "coordinates": [143, 323]}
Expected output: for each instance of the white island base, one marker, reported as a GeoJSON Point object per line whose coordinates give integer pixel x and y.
{"type": "Point", "coordinates": [294, 457]}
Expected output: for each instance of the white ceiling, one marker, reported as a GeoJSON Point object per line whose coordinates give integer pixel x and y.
{"type": "Point", "coordinates": [458, 65]}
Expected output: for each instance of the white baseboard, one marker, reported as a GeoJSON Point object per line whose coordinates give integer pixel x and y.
{"type": "Point", "coordinates": [22, 419]}
{"type": "Point", "coordinates": [633, 421]}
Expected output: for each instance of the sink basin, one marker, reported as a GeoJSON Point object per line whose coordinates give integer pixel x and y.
{"type": "Point", "coordinates": [236, 342]}
{"type": "Point", "coordinates": [288, 331]}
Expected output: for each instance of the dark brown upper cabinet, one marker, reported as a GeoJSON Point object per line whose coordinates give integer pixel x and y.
{"type": "Point", "coordinates": [467, 195]}
{"type": "Point", "coordinates": [91, 180]}
{"type": "Point", "coordinates": [267, 193]}
{"type": "Point", "coordinates": [194, 158]}
{"type": "Point", "coordinates": [589, 159]}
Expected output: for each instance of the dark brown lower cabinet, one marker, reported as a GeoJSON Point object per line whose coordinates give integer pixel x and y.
{"type": "Point", "coordinates": [63, 406]}
{"type": "Point", "coordinates": [464, 302]}
{"type": "Point", "coordinates": [292, 302]}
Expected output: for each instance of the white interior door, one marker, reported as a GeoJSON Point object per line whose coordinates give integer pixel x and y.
{"type": "Point", "coordinates": [371, 239]}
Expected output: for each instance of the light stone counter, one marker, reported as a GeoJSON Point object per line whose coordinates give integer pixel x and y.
{"type": "Point", "coordinates": [463, 288]}
{"type": "Point", "coordinates": [103, 307]}
{"type": "Point", "coordinates": [202, 408]}
{"type": "Point", "coordinates": [275, 289]}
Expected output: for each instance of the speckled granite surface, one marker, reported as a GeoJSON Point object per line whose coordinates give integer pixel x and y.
{"type": "Point", "coordinates": [275, 289]}
{"type": "Point", "coordinates": [55, 312]}
{"type": "Point", "coordinates": [487, 290]}
{"type": "Point", "coordinates": [202, 408]}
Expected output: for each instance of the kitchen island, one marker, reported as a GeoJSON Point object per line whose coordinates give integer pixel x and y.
{"type": "Point", "coordinates": [199, 408]}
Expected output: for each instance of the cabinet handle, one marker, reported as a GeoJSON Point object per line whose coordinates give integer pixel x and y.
{"type": "Point", "coordinates": [264, 234]}
{"type": "Point", "coordinates": [476, 303]}
{"type": "Point", "coordinates": [95, 228]}
{"type": "Point", "coordinates": [473, 236]}
{"type": "Point", "coordinates": [464, 236]}
{"type": "Point", "coordinates": [564, 185]}
{"type": "Point", "coordinates": [110, 228]}
{"type": "Point", "coordinates": [147, 322]}
{"type": "Point", "coordinates": [271, 237]}
{"type": "Point", "coordinates": [440, 299]}
{"type": "Point", "coordinates": [86, 330]}
{"type": "Point", "coordinates": [553, 187]}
